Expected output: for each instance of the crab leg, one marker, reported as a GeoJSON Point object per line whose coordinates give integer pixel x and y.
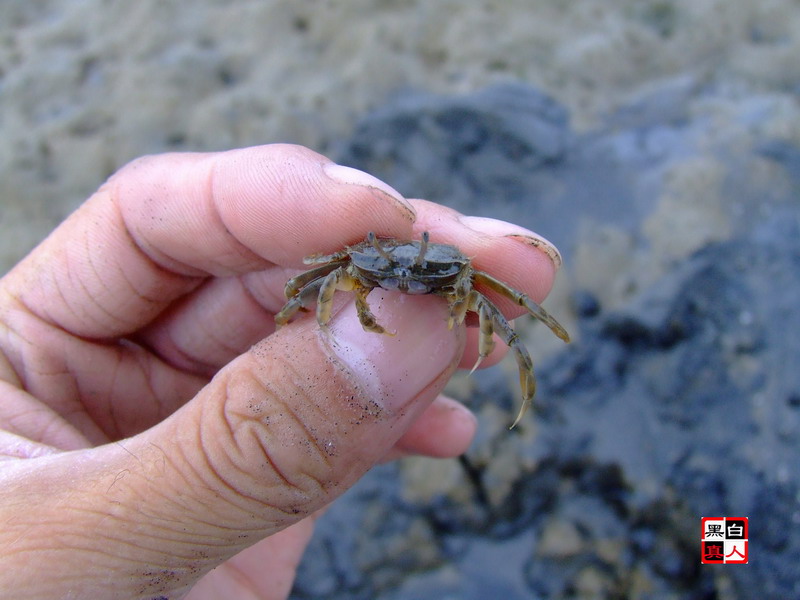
{"type": "Point", "coordinates": [365, 316]}
{"type": "Point", "coordinates": [459, 302]}
{"type": "Point", "coordinates": [322, 290]}
{"type": "Point", "coordinates": [302, 299]}
{"type": "Point", "coordinates": [339, 279]}
{"type": "Point", "coordinates": [527, 380]}
{"type": "Point", "coordinates": [479, 304]}
{"type": "Point", "coordinates": [318, 259]}
{"type": "Point", "coordinates": [523, 300]}
{"type": "Point", "coordinates": [295, 284]}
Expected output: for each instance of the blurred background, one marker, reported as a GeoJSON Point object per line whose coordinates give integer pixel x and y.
{"type": "Point", "coordinates": [656, 142]}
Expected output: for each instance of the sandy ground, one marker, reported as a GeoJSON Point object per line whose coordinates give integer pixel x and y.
{"type": "Point", "coordinates": [87, 85]}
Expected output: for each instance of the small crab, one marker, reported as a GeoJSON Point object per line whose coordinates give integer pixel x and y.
{"type": "Point", "coordinates": [416, 267]}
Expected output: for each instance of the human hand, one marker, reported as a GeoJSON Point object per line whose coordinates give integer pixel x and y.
{"type": "Point", "coordinates": [154, 425]}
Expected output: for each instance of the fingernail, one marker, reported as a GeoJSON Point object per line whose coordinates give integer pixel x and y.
{"type": "Point", "coordinates": [506, 229]}
{"type": "Point", "coordinates": [395, 369]}
{"type": "Point", "coordinates": [349, 175]}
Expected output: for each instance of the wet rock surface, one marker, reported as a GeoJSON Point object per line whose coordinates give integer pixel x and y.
{"type": "Point", "coordinates": [679, 398]}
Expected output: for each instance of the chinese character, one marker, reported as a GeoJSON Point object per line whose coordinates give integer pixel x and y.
{"type": "Point", "coordinates": [735, 530]}
{"type": "Point", "coordinates": [735, 551]}
{"type": "Point", "coordinates": [714, 529]}
{"type": "Point", "coordinates": [713, 551]}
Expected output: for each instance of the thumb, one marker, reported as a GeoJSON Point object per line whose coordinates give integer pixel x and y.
{"type": "Point", "coordinates": [277, 434]}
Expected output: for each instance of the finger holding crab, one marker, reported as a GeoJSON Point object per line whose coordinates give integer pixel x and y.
{"type": "Point", "coordinates": [264, 221]}
{"type": "Point", "coordinates": [155, 305]}
{"type": "Point", "coordinates": [419, 267]}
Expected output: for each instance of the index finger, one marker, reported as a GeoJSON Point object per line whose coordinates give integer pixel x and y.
{"type": "Point", "coordinates": [163, 224]}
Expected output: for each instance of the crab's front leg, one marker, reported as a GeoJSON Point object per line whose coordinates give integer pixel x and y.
{"type": "Point", "coordinates": [295, 284]}
{"type": "Point", "coordinates": [338, 279]}
{"type": "Point", "coordinates": [341, 279]}
{"type": "Point", "coordinates": [368, 320]}
{"type": "Point", "coordinates": [492, 320]}
{"type": "Point", "coordinates": [523, 300]}
{"type": "Point", "coordinates": [301, 300]}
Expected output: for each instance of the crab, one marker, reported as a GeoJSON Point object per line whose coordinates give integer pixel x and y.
{"type": "Point", "coordinates": [416, 267]}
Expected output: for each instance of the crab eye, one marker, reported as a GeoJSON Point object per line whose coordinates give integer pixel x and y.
{"type": "Point", "coordinates": [417, 287]}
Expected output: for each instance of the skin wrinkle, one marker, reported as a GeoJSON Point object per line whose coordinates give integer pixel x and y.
{"type": "Point", "coordinates": [275, 298]}
{"type": "Point", "coordinates": [21, 371]}
{"type": "Point", "coordinates": [52, 424]}
{"type": "Point", "coordinates": [142, 295]}
{"type": "Point", "coordinates": [252, 435]}
{"type": "Point", "coordinates": [142, 367]}
{"type": "Point", "coordinates": [211, 335]}
{"type": "Point", "coordinates": [94, 297]}
{"type": "Point", "coordinates": [263, 446]}
{"type": "Point", "coordinates": [185, 535]}
{"type": "Point", "coordinates": [185, 353]}
{"type": "Point", "coordinates": [7, 371]}
{"type": "Point", "coordinates": [222, 482]}
{"type": "Point", "coordinates": [252, 261]}
{"type": "Point", "coordinates": [48, 320]}
{"type": "Point", "coordinates": [139, 569]}
{"type": "Point", "coordinates": [85, 540]}
{"type": "Point", "coordinates": [176, 524]}
{"type": "Point", "coordinates": [63, 300]}
{"type": "Point", "coordinates": [186, 482]}
{"type": "Point", "coordinates": [17, 423]}
{"type": "Point", "coordinates": [20, 423]}
{"type": "Point", "coordinates": [101, 540]}
{"type": "Point", "coordinates": [145, 367]}
{"type": "Point", "coordinates": [219, 341]}
{"type": "Point", "coordinates": [163, 531]}
{"type": "Point", "coordinates": [122, 275]}
{"type": "Point", "coordinates": [306, 433]}
{"type": "Point", "coordinates": [192, 364]}
{"type": "Point", "coordinates": [213, 200]}
{"type": "Point", "coordinates": [111, 405]}
{"type": "Point", "coordinates": [74, 276]}
{"type": "Point", "coordinates": [58, 388]}
{"type": "Point", "coordinates": [189, 463]}
{"type": "Point", "coordinates": [152, 255]}
{"type": "Point", "coordinates": [102, 415]}
{"type": "Point", "coordinates": [162, 271]}
{"type": "Point", "coordinates": [252, 426]}
{"type": "Point", "coordinates": [210, 468]}
{"type": "Point", "coordinates": [42, 375]}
